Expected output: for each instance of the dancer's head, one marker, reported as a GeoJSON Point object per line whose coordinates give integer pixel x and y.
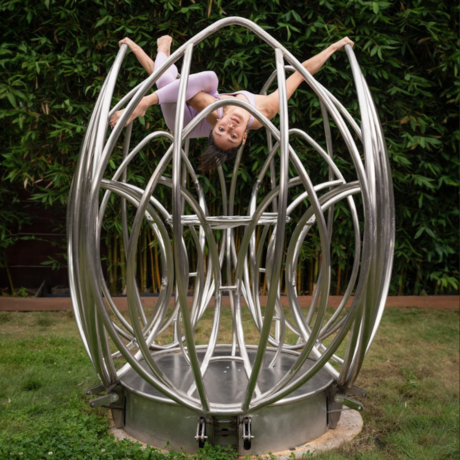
{"type": "Point", "coordinates": [226, 138]}
{"type": "Point", "coordinates": [230, 130]}
{"type": "Point", "coordinates": [215, 156]}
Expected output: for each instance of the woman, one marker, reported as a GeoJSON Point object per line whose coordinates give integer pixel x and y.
{"type": "Point", "coordinates": [226, 127]}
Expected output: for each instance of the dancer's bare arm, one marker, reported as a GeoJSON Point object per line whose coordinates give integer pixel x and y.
{"type": "Point", "coordinates": [200, 101]}
{"type": "Point", "coordinates": [270, 105]}
{"type": "Point", "coordinates": [143, 58]}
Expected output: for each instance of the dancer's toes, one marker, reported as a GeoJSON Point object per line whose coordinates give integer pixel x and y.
{"type": "Point", "coordinates": [115, 117]}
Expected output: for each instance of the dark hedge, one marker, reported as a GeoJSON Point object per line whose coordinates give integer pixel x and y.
{"type": "Point", "coordinates": [54, 56]}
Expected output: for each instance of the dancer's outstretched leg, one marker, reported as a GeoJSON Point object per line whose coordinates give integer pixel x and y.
{"type": "Point", "coordinates": [168, 88]}
{"type": "Point", "coordinates": [163, 52]}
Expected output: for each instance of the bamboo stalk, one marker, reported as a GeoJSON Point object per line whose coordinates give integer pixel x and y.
{"type": "Point", "coordinates": [417, 278]}
{"type": "Point", "coordinates": [339, 276]}
{"type": "Point", "coordinates": [403, 282]}
{"type": "Point", "coordinates": [347, 272]}
{"type": "Point", "coordinates": [238, 232]}
{"type": "Point", "coordinates": [8, 273]}
{"type": "Point", "coordinates": [264, 288]}
{"type": "Point", "coordinates": [315, 274]}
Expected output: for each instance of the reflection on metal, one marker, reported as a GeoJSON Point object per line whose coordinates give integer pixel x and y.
{"type": "Point", "coordinates": [283, 385]}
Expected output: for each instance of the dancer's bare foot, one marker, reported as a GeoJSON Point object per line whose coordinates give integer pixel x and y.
{"type": "Point", "coordinates": [139, 111]}
{"type": "Point", "coordinates": [164, 44]}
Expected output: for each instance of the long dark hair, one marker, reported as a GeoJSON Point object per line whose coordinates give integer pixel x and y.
{"type": "Point", "coordinates": [215, 156]}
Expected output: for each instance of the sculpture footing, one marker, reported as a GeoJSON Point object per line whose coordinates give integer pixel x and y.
{"type": "Point", "coordinates": [349, 426]}
{"type": "Point", "coordinates": [289, 425]}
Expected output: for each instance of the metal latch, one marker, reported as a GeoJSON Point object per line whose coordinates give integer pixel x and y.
{"type": "Point", "coordinates": [111, 396]}
{"type": "Point", "coordinates": [349, 402]}
{"type": "Point", "coordinates": [201, 432]}
{"type": "Point", "coordinates": [104, 400]}
{"type": "Point", "coordinates": [95, 390]}
{"type": "Point", "coordinates": [356, 391]}
{"type": "Point", "coordinates": [247, 433]}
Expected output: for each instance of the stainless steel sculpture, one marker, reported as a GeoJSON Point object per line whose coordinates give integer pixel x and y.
{"type": "Point", "coordinates": [268, 397]}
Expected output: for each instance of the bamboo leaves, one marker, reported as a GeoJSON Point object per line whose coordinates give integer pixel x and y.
{"type": "Point", "coordinates": [54, 57]}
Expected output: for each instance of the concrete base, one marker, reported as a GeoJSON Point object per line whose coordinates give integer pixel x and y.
{"type": "Point", "coordinates": [349, 426]}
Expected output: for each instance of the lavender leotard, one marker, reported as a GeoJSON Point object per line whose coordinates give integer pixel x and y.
{"type": "Point", "coordinates": [168, 89]}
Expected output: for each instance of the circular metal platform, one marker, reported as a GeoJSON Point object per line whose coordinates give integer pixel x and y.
{"type": "Point", "coordinates": [348, 427]}
{"type": "Point", "coordinates": [300, 418]}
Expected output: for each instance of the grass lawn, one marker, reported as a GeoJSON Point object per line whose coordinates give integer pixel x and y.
{"type": "Point", "coordinates": [411, 374]}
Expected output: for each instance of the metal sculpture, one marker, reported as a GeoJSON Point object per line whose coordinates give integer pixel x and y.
{"type": "Point", "coordinates": [261, 398]}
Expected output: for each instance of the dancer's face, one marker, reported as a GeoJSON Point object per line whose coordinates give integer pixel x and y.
{"type": "Point", "coordinates": [229, 131]}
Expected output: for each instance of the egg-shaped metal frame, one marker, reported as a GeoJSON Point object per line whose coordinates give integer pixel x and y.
{"type": "Point", "coordinates": [258, 398]}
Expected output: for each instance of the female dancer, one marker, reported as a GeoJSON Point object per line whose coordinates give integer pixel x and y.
{"type": "Point", "coordinates": [226, 127]}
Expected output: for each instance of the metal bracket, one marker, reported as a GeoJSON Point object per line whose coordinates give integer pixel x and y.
{"type": "Point", "coordinates": [113, 393]}
{"type": "Point", "coordinates": [104, 400]}
{"type": "Point", "coordinates": [98, 389]}
{"type": "Point", "coordinates": [358, 392]}
{"type": "Point", "coordinates": [334, 410]}
{"type": "Point", "coordinates": [247, 433]}
{"type": "Point", "coordinates": [95, 390]}
{"type": "Point", "coordinates": [337, 398]}
{"type": "Point", "coordinates": [201, 432]}
{"type": "Point", "coordinates": [119, 411]}
{"type": "Point", "coordinates": [349, 402]}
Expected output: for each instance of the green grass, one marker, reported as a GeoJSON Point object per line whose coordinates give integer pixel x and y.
{"type": "Point", "coordinates": [411, 374]}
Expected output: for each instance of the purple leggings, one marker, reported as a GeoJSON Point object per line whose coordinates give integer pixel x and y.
{"type": "Point", "coordinates": [168, 89]}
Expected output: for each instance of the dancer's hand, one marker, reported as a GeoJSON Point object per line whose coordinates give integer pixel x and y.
{"type": "Point", "coordinates": [127, 41]}
{"type": "Point", "coordinates": [341, 43]}
{"type": "Point", "coordinates": [139, 111]}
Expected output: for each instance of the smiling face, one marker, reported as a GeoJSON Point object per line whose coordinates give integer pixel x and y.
{"type": "Point", "coordinates": [229, 131]}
